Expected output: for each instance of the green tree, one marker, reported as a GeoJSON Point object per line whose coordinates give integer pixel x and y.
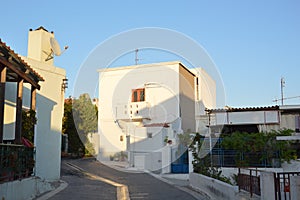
{"type": "Point", "coordinates": [85, 118]}
{"type": "Point", "coordinates": [75, 145]}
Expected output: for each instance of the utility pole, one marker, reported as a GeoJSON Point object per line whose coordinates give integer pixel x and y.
{"type": "Point", "coordinates": [282, 85]}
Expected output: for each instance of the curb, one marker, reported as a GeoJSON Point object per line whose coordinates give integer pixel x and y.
{"type": "Point", "coordinates": [195, 193]}
{"type": "Point", "coordinates": [61, 187]}
{"type": "Point", "coordinates": [122, 169]}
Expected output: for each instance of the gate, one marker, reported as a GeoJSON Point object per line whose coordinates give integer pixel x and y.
{"type": "Point", "coordinates": [180, 162]}
{"type": "Point", "coordinates": [282, 185]}
{"type": "Point", "coordinates": [249, 180]}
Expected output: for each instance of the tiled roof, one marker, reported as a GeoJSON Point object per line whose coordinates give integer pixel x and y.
{"type": "Point", "coordinates": [165, 125]}
{"type": "Point", "coordinates": [5, 50]}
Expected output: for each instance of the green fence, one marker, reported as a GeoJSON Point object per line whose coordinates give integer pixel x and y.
{"type": "Point", "coordinates": [16, 162]}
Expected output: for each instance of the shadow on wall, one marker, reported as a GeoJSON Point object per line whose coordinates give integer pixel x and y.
{"type": "Point", "coordinates": [47, 139]}
{"type": "Point", "coordinates": [44, 107]}
{"type": "Point", "coordinates": [9, 132]}
{"type": "Point", "coordinates": [149, 135]}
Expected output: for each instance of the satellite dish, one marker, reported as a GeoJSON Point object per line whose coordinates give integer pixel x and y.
{"type": "Point", "coordinates": [55, 49]}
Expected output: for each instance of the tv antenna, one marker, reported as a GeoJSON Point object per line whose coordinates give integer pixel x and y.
{"type": "Point", "coordinates": [295, 97]}
{"type": "Point", "coordinates": [282, 85]}
{"type": "Point", "coordinates": [55, 49]}
{"type": "Point", "coordinates": [136, 56]}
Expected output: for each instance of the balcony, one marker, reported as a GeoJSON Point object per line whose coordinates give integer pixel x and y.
{"type": "Point", "coordinates": [133, 111]}
{"type": "Point", "coordinates": [139, 110]}
{"type": "Point", "coordinates": [16, 162]}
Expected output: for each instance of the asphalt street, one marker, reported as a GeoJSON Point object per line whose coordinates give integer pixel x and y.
{"type": "Point", "coordinates": [140, 185]}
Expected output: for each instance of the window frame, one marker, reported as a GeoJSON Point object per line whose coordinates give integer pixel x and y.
{"type": "Point", "coordinates": [138, 95]}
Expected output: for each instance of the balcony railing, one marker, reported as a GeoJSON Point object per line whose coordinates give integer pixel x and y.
{"type": "Point", "coordinates": [133, 110]}
{"type": "Point", "coordinates": [16, 162]}
{"type": "Point", "coordinates": [139, 110]}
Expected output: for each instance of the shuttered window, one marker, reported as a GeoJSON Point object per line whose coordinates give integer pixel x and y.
{"type": "Point", "coordinates": [138, 95]}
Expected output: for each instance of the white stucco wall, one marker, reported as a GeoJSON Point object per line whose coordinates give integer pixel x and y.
{"type": "Point", "coordinates": [206, 91]}
{"type": "Point", "coordinates": [28, 188]}
{"type": "Point", "coordinates": [206, 96]}
{"type": "Point", "coordinates": [10, 110]}
{"type": "Point", "coordinates": [214, 188]}
{"type": "Point", "coordinates": [50, 105]}
{"type": "Point", "coordinates": [170, 91]}
{"type": "Point", "coordinates": [115, 88]}
{"type": "Point", "coordinates": [49, 108]}
{"type": "Point", "coordinates": [39, 47]}
{"type": "Point", "coordinates": [288, 121]}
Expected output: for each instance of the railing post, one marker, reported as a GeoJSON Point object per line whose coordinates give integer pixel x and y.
{"type": "Point", "coordinates": [2, 98]}
{"type": "Point", "coordinates": [251, 183]}
{"type": "Point", "coordinates": [239, 179]}
{"type": "Point", "coordinates": [18, 123]}
{"type": "Point", "coordinates": [275, 185]}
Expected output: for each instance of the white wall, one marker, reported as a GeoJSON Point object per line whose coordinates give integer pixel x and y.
{"type": "Point", "coordinates": [295, 187]}
{"type": "Point", "coordinates": [267, 186]}
{"type": "Point", "coordinates": [39, 45]}
{"type": "Point", "coordinates": [215, 189]}
{"type": "Point", "coordinates": [50, 105]}
{"type": "Point", "coordinates": [10, 111]}
{"type": "Point", "coordinates": [288, 121]}
{"type": "Point", "coordinates": [206, 91]}
{"type": "Point", "coordinates": [245, 117]}
{"type": "Point", "coordinates": [28, 188]}
{"type": "Point", "coordinates": [49, 108]}
{"type": "Point", "coordinates": [115, 88]}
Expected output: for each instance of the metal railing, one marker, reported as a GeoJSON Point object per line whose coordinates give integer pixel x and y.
{"type": "Point", "coordinates": [249, 180]}
{"type": "Point", "coordinates": [282, 184]}
{"type": "Point", "coordinates": [16, 162]}
{"type": "Point", "coordinates": [231, 158]}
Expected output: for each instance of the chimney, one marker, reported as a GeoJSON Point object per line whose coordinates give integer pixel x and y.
{"type": "Point", "coordinates": [39, 45]}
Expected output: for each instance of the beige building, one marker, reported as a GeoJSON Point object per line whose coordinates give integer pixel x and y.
{"type": "Point", "coordinates": [49, 112]}
{"type": "Point", "coordinates": [50, 103]}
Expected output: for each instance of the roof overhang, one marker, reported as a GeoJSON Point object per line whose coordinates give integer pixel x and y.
{"type": "Point", "coordinates": [17, 68]}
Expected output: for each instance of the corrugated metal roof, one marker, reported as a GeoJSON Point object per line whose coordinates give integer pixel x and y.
{"type": "Point", "coordinates": [232, 109]}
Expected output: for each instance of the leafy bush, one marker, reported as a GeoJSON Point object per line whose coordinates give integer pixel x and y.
{"type": "Point", "coordinates": [264, 145]}
{"type": "Point", "coordinates": [28, 121]}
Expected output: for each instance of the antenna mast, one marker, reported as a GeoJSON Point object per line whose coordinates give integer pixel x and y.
{"type": "Point", "coordinates": [136, 56]}
{"type": "Point", "coordinates": [282, 85]}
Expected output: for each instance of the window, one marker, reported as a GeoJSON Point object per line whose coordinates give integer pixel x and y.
{"type": "Point", "coordinates": [138, 95]}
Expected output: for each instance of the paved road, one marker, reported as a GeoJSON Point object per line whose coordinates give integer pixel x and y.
{"type": "Point", "coordinates": [140, 185]}
{"type": "Point", "coordinates": [81, 186]}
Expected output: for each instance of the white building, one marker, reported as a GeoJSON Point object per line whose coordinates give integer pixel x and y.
{"type": "Point", "coordinates": [50, 104]}
{"type": "Point", "coordinates": [142, 108]}
{"type": "Point", "coordinates": [253, 119]}
{"type": "Point", "coordinates": [49, 112]}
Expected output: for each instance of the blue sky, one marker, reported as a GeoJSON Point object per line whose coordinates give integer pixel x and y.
{"type": "Point", "coordinates": [253, 43]}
